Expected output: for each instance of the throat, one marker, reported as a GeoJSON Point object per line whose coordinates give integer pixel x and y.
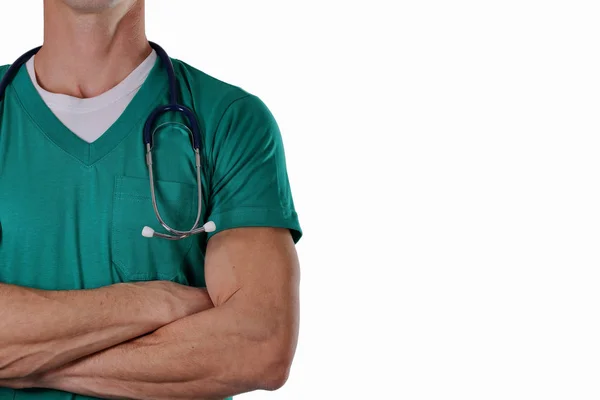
{"type": "Point", "coordinates": [83, 78]}
{"type": "Point", "coordinates": [89, 118]}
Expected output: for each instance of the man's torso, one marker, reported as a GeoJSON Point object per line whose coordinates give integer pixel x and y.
{"type": "Point", "coordinates": [72, 212]}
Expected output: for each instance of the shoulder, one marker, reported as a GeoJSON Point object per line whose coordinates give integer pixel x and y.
{"type": "Point", "coordinates": [3, 69]}
{"type": "Point", "coordinates": [215, 100]}
{"type": "Point", "coordinates": [196, 80]}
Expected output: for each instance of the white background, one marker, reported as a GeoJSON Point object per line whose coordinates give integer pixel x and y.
{"type": "Point", "coordinates": [444, 162]}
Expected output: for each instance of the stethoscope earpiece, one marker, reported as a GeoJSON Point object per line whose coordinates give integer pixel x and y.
{"type": "Point", "coordinates": [207, 227]}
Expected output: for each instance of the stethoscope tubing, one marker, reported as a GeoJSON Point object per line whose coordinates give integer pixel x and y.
{"type": "Point", "coordinates": [148, 140]}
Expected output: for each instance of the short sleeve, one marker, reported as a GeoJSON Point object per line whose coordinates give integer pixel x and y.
{"type": "Point", "coordinates": [249, 185]}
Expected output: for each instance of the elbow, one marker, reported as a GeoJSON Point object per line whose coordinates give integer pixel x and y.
{"type": "Point", "coordinates": [274, 377]}
{"type": "Point", "coordinates": [276, 365]}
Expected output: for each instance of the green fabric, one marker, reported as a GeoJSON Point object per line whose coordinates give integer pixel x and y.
{"type": "Point", "coordinates": [71, 213]}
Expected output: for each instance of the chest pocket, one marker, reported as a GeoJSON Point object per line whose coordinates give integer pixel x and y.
{"type": "Point", "coordinates": [139, 258]}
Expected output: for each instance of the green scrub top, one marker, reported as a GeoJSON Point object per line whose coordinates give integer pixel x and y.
{"type": "Point", "coordinates": [72, 212]}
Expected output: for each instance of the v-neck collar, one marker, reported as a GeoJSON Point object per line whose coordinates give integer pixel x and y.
{"type": "Point", "coordinates": [131, 119]}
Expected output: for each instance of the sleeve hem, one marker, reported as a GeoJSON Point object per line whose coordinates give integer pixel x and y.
{"type": "Point", "coordinates": [257, 217]}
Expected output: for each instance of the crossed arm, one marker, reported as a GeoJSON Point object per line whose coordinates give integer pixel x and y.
{"type": "Point", "coordinates": [245, 342]}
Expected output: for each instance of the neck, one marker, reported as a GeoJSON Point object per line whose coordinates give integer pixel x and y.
{"type": "Point", "coordinates": [87, 54]}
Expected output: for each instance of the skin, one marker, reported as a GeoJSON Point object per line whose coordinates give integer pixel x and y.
{"type": "Point", "coordinates": [247, 340]}
{"type": "Point", "coordinates": [61, 328]}
{"type": "Point", "coordinates": [90, 46]}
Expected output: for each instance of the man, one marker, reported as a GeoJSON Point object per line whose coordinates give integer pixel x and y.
{"type": "Point", "coordinates": [88, 307]}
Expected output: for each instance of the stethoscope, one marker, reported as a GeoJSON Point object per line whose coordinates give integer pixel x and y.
{"type": "Point", "coordinates": [148, 232]}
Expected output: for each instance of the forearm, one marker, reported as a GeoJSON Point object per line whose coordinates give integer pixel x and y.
{"type": "Point", "coordinates": [42, 330]}
{"type": "Point", "coordinates": [210, 355]}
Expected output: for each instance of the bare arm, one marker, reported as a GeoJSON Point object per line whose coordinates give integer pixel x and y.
{"type": "Point", "coordinates": [41, 330]}
{"type": "Point", "coordinates": [245, 343]}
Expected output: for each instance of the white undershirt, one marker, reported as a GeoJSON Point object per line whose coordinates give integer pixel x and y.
{"type": "Point", "coordinates": [90, 118]}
